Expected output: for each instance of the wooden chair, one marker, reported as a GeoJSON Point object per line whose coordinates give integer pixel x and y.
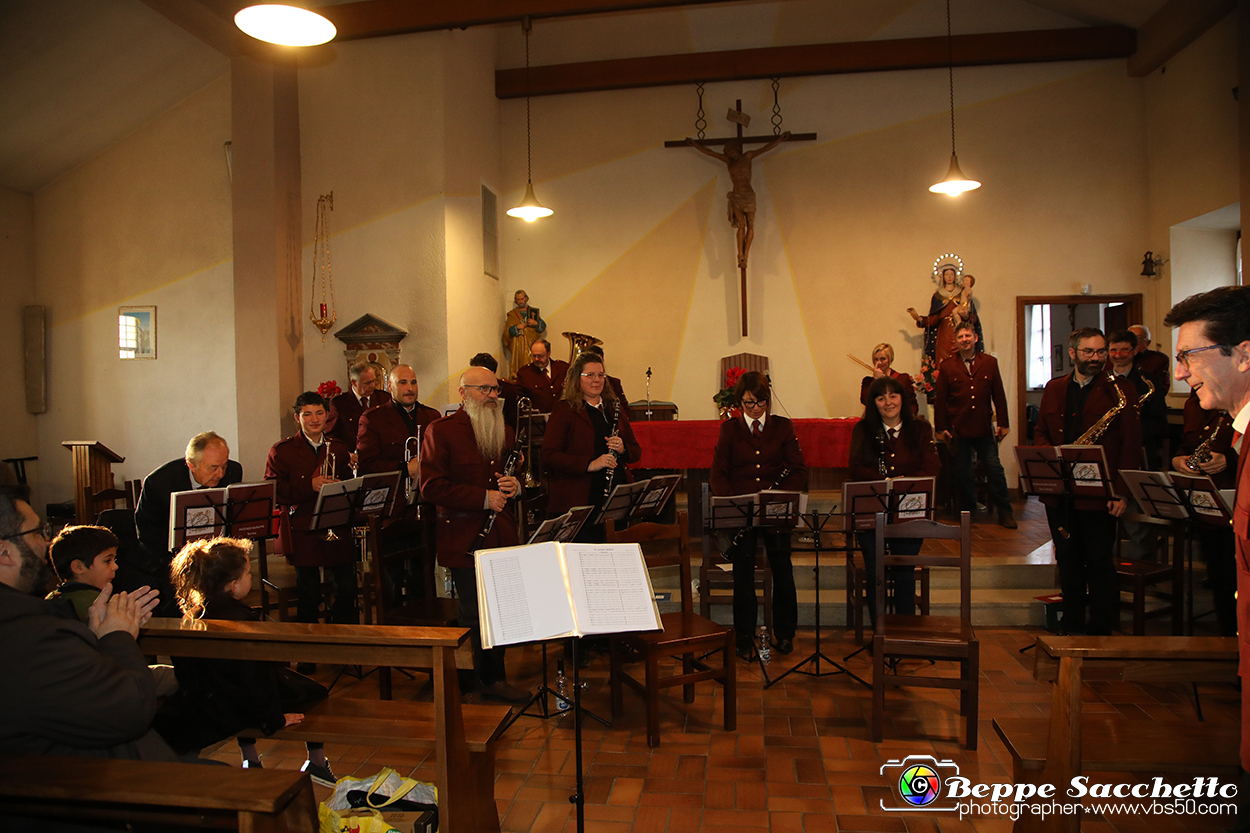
{"type": "Point", "coordinates": [926, 637]}
{"type": "Point", "coordinates": [857, 593]}
{"type": "Point", "coordinates": [716, 586]}
{"type": "Point", "coordinates": [1147, 579]}
{"type": "Point", "coordinates": [686, 635]}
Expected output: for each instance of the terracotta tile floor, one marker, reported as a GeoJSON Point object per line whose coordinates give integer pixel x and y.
{"type": "Point", "coordinates": [800, 759]}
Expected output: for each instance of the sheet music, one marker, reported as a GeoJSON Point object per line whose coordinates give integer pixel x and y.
{"type": "Point", "coordinates": [527, 598]}
{"type": "Point", "coordinates": [611, 589]}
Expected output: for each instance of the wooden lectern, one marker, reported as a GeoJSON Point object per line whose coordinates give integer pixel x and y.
{"type": "Point", "coordinates": [93, 472]}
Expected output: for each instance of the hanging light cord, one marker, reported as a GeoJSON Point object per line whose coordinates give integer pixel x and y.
{"type": "Point", "coordinates": [529, 164]}
{"type": "Point", "coordinates": [950, 72]}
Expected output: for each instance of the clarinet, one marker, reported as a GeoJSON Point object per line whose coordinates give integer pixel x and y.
{"type": "Point", "coordinates": [616, 417]}
{"type": "Point", "coordinates": [882, 468]}
{"type": "Point", "coordinates": [509, 467]}
{"type": "Point", "coordinates": [741, 532]}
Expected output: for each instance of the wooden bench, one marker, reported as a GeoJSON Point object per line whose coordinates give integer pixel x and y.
{"type": "Point", "coordinates": [1054, 751]}
{"type": "Point", "coordinates": [462, 735]}
{"type": "Point", "coordinates": [184, 795]}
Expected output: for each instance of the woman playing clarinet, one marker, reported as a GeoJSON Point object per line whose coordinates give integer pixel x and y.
{"type": "Point", "coordinates": [754, 452]}
{"type": "Point", "coordinates": [587, 443]}
{"type": "Point", "coordinates": [890, 442]}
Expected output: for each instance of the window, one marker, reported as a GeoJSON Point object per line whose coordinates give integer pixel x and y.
{"type": "Point", "coordinates": [127, 336]}
{"type": "Point", "coordinates": [490, 233]}
{"type": "Point", "coordinates": [1038, 323]}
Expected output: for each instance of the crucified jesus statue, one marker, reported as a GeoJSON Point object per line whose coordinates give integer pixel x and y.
{"type": "Point", "coordinates": [742, 197]}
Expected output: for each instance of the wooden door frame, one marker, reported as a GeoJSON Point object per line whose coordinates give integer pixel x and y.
{"type": "Point", "coordinates": [1134, 301]}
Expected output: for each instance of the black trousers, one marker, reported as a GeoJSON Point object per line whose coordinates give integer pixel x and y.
{"type": "Point", "coordinates": [1086, 568]}
{"type": "Point", "coordinates": [1218, 549]}
{"type": "Point", "coordinates": [785, 599]}
{"type": "Point", "coordinates": [308, 588]}
{"type": "Point", "coordinates": [904, 578]}
{"type": "Point", "coordinates": [487, 663]}
{"type": "Point", "coordinates": [986, 449]}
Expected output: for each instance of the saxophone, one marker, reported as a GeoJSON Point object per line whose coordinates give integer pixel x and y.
{"type": "Point", "coordinates": [1150, 389]}
{"type": "Point", "coordinates": [1202, 454]}
{"type": "Point", "coordinates": [1095, 431]}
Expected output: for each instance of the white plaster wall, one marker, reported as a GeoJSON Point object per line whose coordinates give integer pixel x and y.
{"type": "Point", "coordinates": [1202, 259]}
{"type": "Point", "coordinates": [18, 430]}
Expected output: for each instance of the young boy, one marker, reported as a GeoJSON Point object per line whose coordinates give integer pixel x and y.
{"type": "Point", "coordinates": [85, 559]}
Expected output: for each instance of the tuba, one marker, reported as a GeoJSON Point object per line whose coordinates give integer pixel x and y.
{"type": "Point", "coordinates": [578, 342]}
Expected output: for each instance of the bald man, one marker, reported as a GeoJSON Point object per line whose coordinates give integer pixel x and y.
{"type": "Point", "coordinates": [384, 431]}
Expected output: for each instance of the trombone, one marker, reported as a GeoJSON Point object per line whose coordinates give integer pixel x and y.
{"type": "Point", "coordinates": [525, 411]}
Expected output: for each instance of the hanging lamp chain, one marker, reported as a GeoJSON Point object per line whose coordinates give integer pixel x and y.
{"type": "Point", "coordinates": [950, 72]}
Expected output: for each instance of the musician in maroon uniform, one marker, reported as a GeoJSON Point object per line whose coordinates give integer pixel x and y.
{"type": "Point", "coordinates": [296, 465]}
{"type": "Point", "coordinates": [751, 454]}
{"type": "Point", "coordinates": [580, 456]}
{"type": "Point", "coordinates": [882, 361]}
{"type": "Point", "coordinates": [1213, 356]}
{"type": "Point", "coordinates": [509, 392]}
{"type": "Point", "coordinates": [385, 430]}
{"type": "Point", "coordinates": [1152, 362]}
{"type": "Point", "coordinates": [613, 381]}
{"type": "Point", "coordinates": [889, 441]}
{"type": "Point", "coordinates": [543, 378]}
{"type": "Point", "coordinates": [1084, 530]}
{"type": "Point", "coordinates": [968, 384]}
{"type": "Point", "coordinates": [350, 405]}
{"type": "Point", "coordinates": [462, 465]}
{"type": "Point", "coordinates": [1214, 429]}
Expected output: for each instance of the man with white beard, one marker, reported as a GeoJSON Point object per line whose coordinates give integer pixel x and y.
{"type": "Point", "coordinates": [462, 474]}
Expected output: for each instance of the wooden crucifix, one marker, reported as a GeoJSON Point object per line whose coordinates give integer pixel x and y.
{"type": "Point", "coordinates": [742, 197]}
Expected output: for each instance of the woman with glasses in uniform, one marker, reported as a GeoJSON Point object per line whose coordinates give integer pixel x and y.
{"type": "Point", "coordinates": [587, 443]}
{"type": "Point", "coordinates": [754, 452]}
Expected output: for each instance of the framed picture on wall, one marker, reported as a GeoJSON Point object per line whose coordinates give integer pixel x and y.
{"type": "Point", "coordinates": [1056, 363]}
{"type": "Point", "coordinates": [136, 332]}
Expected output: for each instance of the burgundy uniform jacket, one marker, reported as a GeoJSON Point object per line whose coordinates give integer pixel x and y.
{"type": "Point", "coordinates": [568, 448]}
{"type": "Point", "coordinates": [544, 392]}
{"type": "Point", "coordinates": [348, 409]}
{"type": "Point", "coordinates": [292, 464]}
{"type": "Point", "coordinates": [1241, 517]}
{"type": "Point", "coordinates": [1198, 425]}
{"type": "Point", "coordinates": [743, 463]}
{"type": "Point", "coordinates": [1155, 364]}
{"type": "Point", "coordinates": [455, 477]}
{"type": "Point", "coordinates": [906, 456]}
{"type": "Point", "coordinates": [909, 390]}
{"type": "Point", "coordinates": [382, 435]}
{"type": "Point", "coordinates": [1121, 442]}
{"type": "Point", "coordinates": [962, 400]}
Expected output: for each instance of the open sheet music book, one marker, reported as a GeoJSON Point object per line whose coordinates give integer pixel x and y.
{"type": "Point", "coordinates": [243, 510]}
{"type": "Point", "coordinates": [768, 508]}
{"type": "Point", "coordinates": [904, 498]}
{"type": "Point", "coordinates": [348, 501]}
{"type": "Point", "coordinates": [553, 590]}
{"type": "Point", "coordinates": [1177, 496]}
{"type": "Point", "coordinates": [1079, 470]}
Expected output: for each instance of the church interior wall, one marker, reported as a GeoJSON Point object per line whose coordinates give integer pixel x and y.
{"type": "Point", "coordinates": [19, 437]}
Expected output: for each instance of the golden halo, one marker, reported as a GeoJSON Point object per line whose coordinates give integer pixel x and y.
{"type": "Point", "coordinates": [950, 259]}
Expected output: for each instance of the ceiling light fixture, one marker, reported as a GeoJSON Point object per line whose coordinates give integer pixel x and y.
{"type": "Point", "coordinates": [955, 182]}
{"type": "Point", "coordinates": [530, 208]}
{"type": "Point", "coordinates": [285, 25]}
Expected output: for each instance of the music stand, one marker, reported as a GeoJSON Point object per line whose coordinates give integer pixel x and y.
{"type": "Point", "coordinates": [816, 524]}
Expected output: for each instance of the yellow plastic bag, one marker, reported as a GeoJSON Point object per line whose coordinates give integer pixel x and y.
{"type": "Point", "coordinates": [352, 821]}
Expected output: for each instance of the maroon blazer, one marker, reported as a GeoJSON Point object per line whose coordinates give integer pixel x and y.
{"type": "Point", "coordinates": [568, 448]}
{"type": "Point", "coordinates": [909, 390]}
{"type": "Point", "coordinates": [1156, 365]}
{"type": "Point", "coordinates": [1121, 442]}
{"type": "Point", "coordinates": [348, 409]}
{"type": "Point", "coordinates": [911, 455]}
{"type": "Point", "coordinates": [382, 435]}
{"type": "Point", "coordinates": [543, 392]}
{"type": "Point", "coordinates": [1241, 516]}
{"type": "Point", "coordinates": [291, 464]}
{"type": "Point", "coordinates": [1198, 425]}
{"type": "Point", "coordinates": [962, 400]}
{"type": "Point", "coordinates": [456, 478]}
{"type": "Point", "coordinates": [742, 464]}
{"type": "Point", "coordinates": [509, 393]}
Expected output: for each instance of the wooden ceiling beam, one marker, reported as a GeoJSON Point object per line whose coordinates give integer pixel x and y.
{"type": "Point", "coordinates": [1079, 44]}
{"type": "Point", "coordinates": [377, 18]}
{"type": "Point", "coordinates": [1169, 30]}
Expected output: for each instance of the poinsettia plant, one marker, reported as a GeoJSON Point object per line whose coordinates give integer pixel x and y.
{"type": "Point", "coordinates": [329, 389]}
{"type": "Point", "coordinates": [724, 398]}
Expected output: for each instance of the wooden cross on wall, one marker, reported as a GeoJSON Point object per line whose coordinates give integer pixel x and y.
{"type": "Point", "coordinates": [742, 197]}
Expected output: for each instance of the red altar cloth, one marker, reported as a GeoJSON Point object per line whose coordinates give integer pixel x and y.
{"type": "Point", "coordinates": [688, 444]}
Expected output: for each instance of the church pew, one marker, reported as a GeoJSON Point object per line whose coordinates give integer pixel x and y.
{"type": "Point", "coordinates": [462, 735]}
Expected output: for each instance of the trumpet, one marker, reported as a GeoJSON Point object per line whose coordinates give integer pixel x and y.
{"type": "Point", "coordinates": [327, 473]}
{"type": "Point", "coordinates": [410, 483]}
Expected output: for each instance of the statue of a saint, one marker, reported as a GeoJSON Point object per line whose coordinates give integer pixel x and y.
{"type": "Point", "coordinates": [521, 329]}
{"type": "Point", "coordinates": [952, 304]}
{"type": "Point", "coordinates": [742, 197]}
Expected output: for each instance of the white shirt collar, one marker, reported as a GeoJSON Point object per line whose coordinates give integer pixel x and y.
{"type": "Point", "coordinates": [750, 422]}
{"type": "Point", "coordinates": [1242, 420]}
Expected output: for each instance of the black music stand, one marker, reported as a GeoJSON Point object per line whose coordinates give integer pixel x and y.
{"type": "Point", "coordinates": [816, 524]}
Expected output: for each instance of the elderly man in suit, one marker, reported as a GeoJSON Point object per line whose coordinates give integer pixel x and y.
{"type": "Point", "coordinates": [205, 465]}
{"type": "Point", "coordinates": [462, 474]}
{"type": "Point", "coordinates": [968, 384]}
{"type": "Point", "coordinates": [1213, 356]}
{"type": "Point", "coordinates": [543, 378]}
{"type": "Point", "coordinates": [351, 405]}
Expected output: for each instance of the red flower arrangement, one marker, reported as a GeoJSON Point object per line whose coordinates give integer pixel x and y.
{"type": "Point", "coordinates": [724, 398]}
{"type": "Point", "coordinates": [329, 389]}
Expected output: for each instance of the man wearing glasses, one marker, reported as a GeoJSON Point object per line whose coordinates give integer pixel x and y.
{"type": "Point", "coordinates": [543, 378]}
{"type": "Point", "coordinates": [1084, 529]}
{"type": "Point", "coordinates": [462, 474]}
{"type": "Point", "coordinates": [1213, 344]}
{"type": "Point", "coordinates": [77, 688]}
{"type": "Point", "coordinates": [385, 430]}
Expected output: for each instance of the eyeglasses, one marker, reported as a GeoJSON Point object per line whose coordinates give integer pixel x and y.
{"type": "Point", "coordinates": [487, 390]}
{"type": "Point", "coordinates": [1182, 358]}
{"type": "Point", "coordinates": [45, 531]}
{"type": "Point", "coordinates": [754, 403]}
{"type": "Point", "coordinates": [1087, 353]}
{"type": "Point", "coordinates": [594, 375]}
